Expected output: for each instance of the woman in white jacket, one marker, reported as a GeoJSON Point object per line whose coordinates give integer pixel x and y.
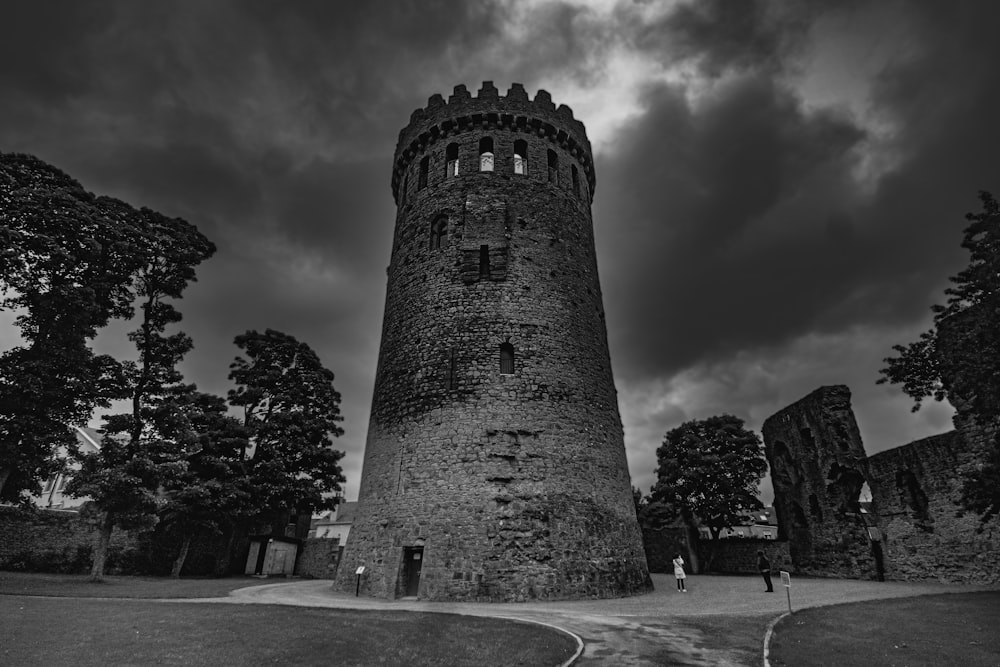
{"type": "Point", "coordinates": [679, 573]}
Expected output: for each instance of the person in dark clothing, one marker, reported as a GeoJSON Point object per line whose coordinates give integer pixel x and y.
{"type": "Point", "coordinates": [764, 567]}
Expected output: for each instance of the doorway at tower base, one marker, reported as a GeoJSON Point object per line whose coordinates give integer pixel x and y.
{"type": "Point", "coordinates": [552, 548]}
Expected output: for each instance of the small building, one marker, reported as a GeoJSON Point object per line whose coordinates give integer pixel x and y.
{"type": "Point", "coordinates": [761, 524]}
{"type": "Point", "coordinates": [52, 495]}
{"type": "Point", "coordinates": [335, 523]}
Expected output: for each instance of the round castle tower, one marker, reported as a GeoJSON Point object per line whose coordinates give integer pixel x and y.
{"type": "Point", "coordinates": [495, 464]}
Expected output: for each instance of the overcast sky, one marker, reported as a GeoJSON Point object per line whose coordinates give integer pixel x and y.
{"type": "Point", "coordinates": [780, 185]}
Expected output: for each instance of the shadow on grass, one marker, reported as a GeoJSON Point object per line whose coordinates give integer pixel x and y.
{"type": "Point", "coordinates": [63, 631]}
{"type": "Point", "coordinates": [950, 629]}
{"type": "Point", "coordinates": [77, 586]}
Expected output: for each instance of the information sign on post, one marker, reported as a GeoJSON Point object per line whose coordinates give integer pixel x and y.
{"type": "Point", "coordinates": [359, 572]}
{"type": "Point", "coordinates": [786, 581]}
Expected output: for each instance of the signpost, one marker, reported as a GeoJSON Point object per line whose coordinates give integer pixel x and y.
{"type": "Point", "coordinates": [359, 572]}
{"type": "Point", "coordinates": [786, 581]}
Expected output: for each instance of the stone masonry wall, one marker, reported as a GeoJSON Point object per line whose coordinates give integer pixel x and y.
{"type": "Point", "coordinates": [818, 468]}
{"type": "Point", "coordinates": [740, 556]}
{"type": "Point", "coordinates": [61, 542]}
{"type": "Point", "coordinates": [318, 558]}
{"type": "Point", "coordinates": [927, 535]}
{"type": "Point", "coordinates": [513, 484]}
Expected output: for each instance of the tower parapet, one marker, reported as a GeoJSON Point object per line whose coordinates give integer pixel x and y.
{"type": "Point", "coordinates": [514, 113]}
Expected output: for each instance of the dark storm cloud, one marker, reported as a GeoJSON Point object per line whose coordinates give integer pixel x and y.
{"type": "Point", "coordinates": [720, 35]}
{"type": "Point", "coordinates": [743, 218]}
{"type": "Point", "coordinates": [704, 206]}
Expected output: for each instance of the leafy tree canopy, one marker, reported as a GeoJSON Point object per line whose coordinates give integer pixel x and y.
{"type": "Point", "coordinates": [709, 470]}
{"type": "Point", "coordinates": [292, 411]}
{"type": "Point", "coordinates": [67, 260]}
{"type": "Point", "coordinates": [959, 357]}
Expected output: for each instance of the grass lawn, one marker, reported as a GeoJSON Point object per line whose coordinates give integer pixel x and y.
{"type": "Point", "coordinates": [67, 631]}
{"type": "Point", "coordinates": [953, 629]}
{"type": "Point", "coordinates": [76, 585]}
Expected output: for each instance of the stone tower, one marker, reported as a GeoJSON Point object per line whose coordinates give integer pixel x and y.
{"type": "Point", "coordinates": [495, 465]}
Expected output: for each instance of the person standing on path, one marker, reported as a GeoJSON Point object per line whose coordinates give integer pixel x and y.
{"type": "Point", "coordinates": [764, 566]}
{"type": "Point", "coordinates": [679, 573]}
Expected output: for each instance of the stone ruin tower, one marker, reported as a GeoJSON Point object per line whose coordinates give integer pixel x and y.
{"type": "Point", "coordinates": [495, 465]}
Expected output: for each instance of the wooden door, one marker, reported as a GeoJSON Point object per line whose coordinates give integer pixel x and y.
{"type": "Point", "coordinates": [414, 557]}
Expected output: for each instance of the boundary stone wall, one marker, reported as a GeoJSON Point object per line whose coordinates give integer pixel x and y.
{"type": "Point", "coordinates": [319, 558]}
{"type": "Point", "coordinates": [61, 542]}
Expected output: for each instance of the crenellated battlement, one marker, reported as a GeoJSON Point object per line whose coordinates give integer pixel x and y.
{"type": "Point", "coordinates": [514, 112]}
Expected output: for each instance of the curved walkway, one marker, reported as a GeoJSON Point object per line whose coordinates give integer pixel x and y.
{"type": "Point", "coordinates": [627, 631]}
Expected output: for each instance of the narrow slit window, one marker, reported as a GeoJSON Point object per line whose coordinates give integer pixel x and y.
{"type": "Point", "coordinates": [451, 157]}
{"type": "Point", "coordinates": [521, 157]}
{"type": "Point", "coordinates": [439, 233]}
{"type": "Point", "coordinates": [484, 261]}
{"type": "Point", "coordinates": [402, 190]}
{"type": "Point", "coordinates": [506, 358]}
{"type": "Point", "coordinates": [424, 166]}
{"type": "Point", "coordinates": [486, 154]}
{"type": "Point", "coordinates": [576, 180]}
{"type": "Point", "coordinates": [452, 383]}
{"type": "Point", "coordinates": [553, 167]}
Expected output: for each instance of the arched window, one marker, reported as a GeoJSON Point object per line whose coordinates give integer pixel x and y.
{"type": "Point", "coordinates": [553, 167]}
{"type": "Point", "coordinates": [486, 154]}
{"type": "Point", "coordinates": [506, 358]}
{"type": "Point", "coordinates": [451, 157]}
{"type": "Point", "coordinates": [439, 232]}
{"type": "Point", "coordinates": [422, 178]}
{"type": "Point", "coordinates": [521, 157]}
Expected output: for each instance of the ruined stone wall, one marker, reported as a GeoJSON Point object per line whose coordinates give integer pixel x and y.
{"type": "Point", "coordinates": [818, 467]}
{"type": "Point", "coordinates": [926, 534]}
{"type": "Point", "coordinates": [512, 480]}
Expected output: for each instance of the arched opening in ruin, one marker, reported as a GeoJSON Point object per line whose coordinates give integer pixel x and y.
{"type": "Point", "coordinates": [843, 488]}
{"type": "Point", "coordinates": [553, 161]}
{"type": "Point", "coordinates": [451, 160]}
{"type": "Point", "coordinates": [913, 498]}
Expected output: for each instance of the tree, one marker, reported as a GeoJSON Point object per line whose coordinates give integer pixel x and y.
{"type": "Point", "coordinates": [210, 492]}
{"type": "Point", "coordinates": [959, 357]}
{"type": "Point", "coordinates": [67, 259]}
{"type": "Point", "coordinates": [291, 409]}
{"type": "Point", "coordinates": [709, 470]}
{"type": "Point", "coordinates": [136, 457]}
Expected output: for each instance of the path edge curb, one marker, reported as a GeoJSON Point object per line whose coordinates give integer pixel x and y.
{"type": "Point", "coordinates": [767, 637]}
{"type": "Point", "coordinates": [579, 640]}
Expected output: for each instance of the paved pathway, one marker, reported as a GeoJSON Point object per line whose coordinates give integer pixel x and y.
{"type": "Point", "coordinates": [627, 631]}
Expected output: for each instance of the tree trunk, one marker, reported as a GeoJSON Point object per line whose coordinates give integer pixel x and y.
{"type": "Point", "coordinates": [181, 557]}
{"type": "Point", "coordinates": [101, 550]}
{"type": "Point", "coordinates": [225, 558]}
{"type": "Point", "coordinates": [4, 474]}
{"type": "Point", "coordinates": [691, 542]}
